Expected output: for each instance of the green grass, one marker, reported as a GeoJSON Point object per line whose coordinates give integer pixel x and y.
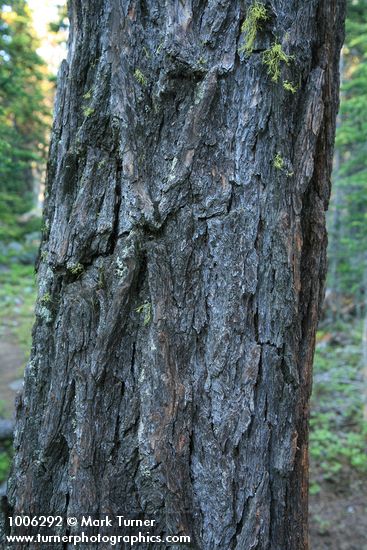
{"type": "Point", "coordinates": [6, 451]}
{"type": "Point", "coordinates": [338, 435]}
{"type": "Point", "coordinates": [17, 299]}
{"type": "Point", "coordinates": [5, 461]}
{"type": "Point", "coordinates": [18, 248]}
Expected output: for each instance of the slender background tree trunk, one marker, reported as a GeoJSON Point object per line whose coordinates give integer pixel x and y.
{"type": "Point", "coordinates": [181, 272]}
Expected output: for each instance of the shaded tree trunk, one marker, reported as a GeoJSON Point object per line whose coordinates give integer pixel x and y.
{"type": "Point", "coordinates": [182, 272]}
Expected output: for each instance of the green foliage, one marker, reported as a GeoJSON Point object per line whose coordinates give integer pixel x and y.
{"type": "Point", "coordinates": [23, 115]}
{"type": "Point", "coordinates": [5, 462]}
{"type": "Point", "coordinates": [338, 436]}
{"type": "Point", "coordinates": [146, 310]}
{"type": "Point", "coordinates": [62, 22]}
{"type": "Point", "coordinates": [17, 298]}
{"type": "Point", "coordinates": [348, 213]}
{"type": "Point", "coordinates": [256, 15]}
{"type": "Point", "coordinates": [11, 228]}
{"type": "Point", "coordinates": [272, 58]}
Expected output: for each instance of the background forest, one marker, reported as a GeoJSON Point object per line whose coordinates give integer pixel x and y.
{"type": "Point", "coordinates": [339, 408]}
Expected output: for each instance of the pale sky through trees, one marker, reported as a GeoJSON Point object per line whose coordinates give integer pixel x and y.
{"type": "Point", "coordinates": [45, 12]}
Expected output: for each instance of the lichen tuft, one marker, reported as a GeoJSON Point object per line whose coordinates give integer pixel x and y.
{"type": "Point", "coordinates": [278, 162]}
{"type": "Point", "coordinates": [290, 87]}
{"type": "Point", "coordinates": [272, 58]}
{"type": "Point", "coordinates": [256, 15]}
{"type": "Point", "coordinates": [146, 310]}
{"type": "Point", "coordinates": [140, 78]}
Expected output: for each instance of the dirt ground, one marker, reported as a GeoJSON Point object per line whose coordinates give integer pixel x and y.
{"type": "Point", "coordinates": [338, 515]}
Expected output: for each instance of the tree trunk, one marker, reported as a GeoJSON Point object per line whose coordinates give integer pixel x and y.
{"type": "Point", "coordinates": [181, 272]}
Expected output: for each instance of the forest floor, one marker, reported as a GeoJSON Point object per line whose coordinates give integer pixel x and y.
{"type": "Point", "coordinates": [338, 515]}
{"type": "Point", "coordinates": [17, 297]}
{"type": "Point", "coordinates": [12, 359]}
{"type": "Point", "coordinates": [338, 441]}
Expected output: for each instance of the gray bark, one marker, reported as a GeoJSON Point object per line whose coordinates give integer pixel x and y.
{"type": "Point", "coordinates": [181, 272]}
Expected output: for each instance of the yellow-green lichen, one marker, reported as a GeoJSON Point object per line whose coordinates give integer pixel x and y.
{"type": "Point", "coordinates": [45, 299]}
{"type": "Point", "coordinates": [146, 52]}
{"type": "Point", "coordinates": [272, 58]}
{"type": "Point", "coordinates": [88, 94]}
{"type": "Point", "coordinates": [290, 87]}
{"type": "Point", "coordinates": [256, 15]}
{"type": "Point", "coordinates": [101, 163]}
{"type": "Point", "coordinates": [76, 269]}
{"type": "Point", "coordinates": [278, 162]}
{"type": "Point", "coordinates": [146, 310]}
{"type": "Point", "coordinates": [140, 78]}
{"type": "Point", "coordinates": [159, 48]}
{"type": "Point", "coordinates": [88, 111]}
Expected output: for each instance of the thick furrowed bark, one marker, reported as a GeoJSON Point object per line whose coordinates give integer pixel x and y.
{"type": "Point", "coordinates": [182, 272]}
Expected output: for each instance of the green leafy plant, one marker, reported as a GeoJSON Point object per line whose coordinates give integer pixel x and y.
{"type": "Point", "coordinates": [24, 113]}
{"type": "Point", "coordinates": [17, 298]}
{"type": "Point", "coordinates": [338, 432]}
{"type": "Point", "coordinates": [256, 15]}
{"type": "Point", "coordinates": [5, 462]}
{"type": "Point", "coordinates": [272, 58]}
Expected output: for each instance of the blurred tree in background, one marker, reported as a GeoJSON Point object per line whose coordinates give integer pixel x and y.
{"type": "Point", "coordinates": [348, 215]}
{"type": "Point", "coordinates": [24, 114]}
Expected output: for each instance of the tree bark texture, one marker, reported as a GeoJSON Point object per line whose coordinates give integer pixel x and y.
{"type": "Point", "coordinates": [181, 271]}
